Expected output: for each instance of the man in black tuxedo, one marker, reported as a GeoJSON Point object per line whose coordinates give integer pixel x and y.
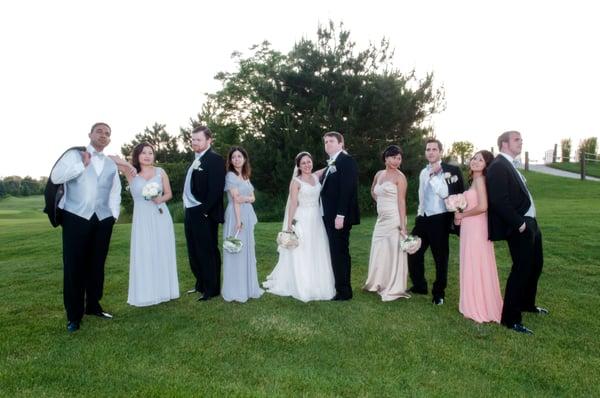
{"type": "Point", "coordinates": [434, 223]}
{"type": "Point", "coordinates": [90, 206]}
{"type": "Point", "coordinates": [512, 217]}
{"type": "Point", "coordinates": [203, 202]}
{"type": "Point", "coordinates": [339, 198]}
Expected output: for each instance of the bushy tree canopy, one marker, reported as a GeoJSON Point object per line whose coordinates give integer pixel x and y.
{"type": "Point", "coordinates": [279, 104]}
{"type": "Point", "coordinates": [462, 150]}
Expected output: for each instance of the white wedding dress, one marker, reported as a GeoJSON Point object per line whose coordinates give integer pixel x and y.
{"type": "Point", "coordinates": [305, 272]}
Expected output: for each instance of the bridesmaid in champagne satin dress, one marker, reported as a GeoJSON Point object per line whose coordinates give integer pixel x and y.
{"type": "Point", "coordinates": [480, 298]}
{"type": "Point", "coordinates": [388, 265]}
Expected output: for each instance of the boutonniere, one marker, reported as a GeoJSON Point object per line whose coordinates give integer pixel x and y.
{"type": "Point", "coordinates": [450, 179]}
{"type": "Point", "coordinates": [197, 165]}
{"type": "Point", "coordinates": [331, 165]}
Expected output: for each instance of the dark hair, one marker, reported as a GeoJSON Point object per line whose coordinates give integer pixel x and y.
{"type": "Point", "coordinates": [505, 137]}
{"type": "Point", "coordinates": [298, 159]}
{"type": "Point", "coordinates": [487, 156]}
{"type": "Point", "coordinates": [135, 154]}
{"type": "Point", "coordinates": [99, 124]}
{"type": "Point", "coordinates": [438, 142]}
{"type": "Point", "coordinates": [338, 136]}
{"type": "Point", "coordinates": [203, 129]}
{"type": "Point", "coordinates": [391, 150]}
{"type": "Point", "coordinates": [246, 169]}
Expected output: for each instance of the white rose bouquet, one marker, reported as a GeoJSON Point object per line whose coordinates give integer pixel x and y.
{"type": "Point", "coordinates": [152, 190]}
{"type": "Point", "coordinates": [232, 244]}
{"type": "Point", "coordinates": [288, 239]}
{"type": "Point", "coordinates": [456, 202]}
{"type": "Point", "coordinates": [411, 244]}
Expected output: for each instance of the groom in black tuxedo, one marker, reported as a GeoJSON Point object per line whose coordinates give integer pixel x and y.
{"type": "Point", "coordinates": [203, 202]}
{"type": "Point", "coordinates": [339, 198]}
{"type": "Point", "coordinates": [512, 217]}
{"type": "Point", "coordinates": [434, 223]}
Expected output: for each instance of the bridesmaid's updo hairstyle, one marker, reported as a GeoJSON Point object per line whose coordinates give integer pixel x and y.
{"type": "Point", "coordinates": [391, 150]}
{"type": "Point", "coordinates": [487, 156]}
{"type": "Point", "coordinates": [299, 158]}
{"type": "Point", "coordinates": [246, 169]}
{"type": "Point", "coordinates": [135, 154]}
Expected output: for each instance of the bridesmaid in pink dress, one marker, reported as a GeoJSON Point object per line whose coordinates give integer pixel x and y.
{"type": "Point", "coordinates": [480, 298]}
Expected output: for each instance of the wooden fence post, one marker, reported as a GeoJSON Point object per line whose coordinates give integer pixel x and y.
{"type": "Point", "coordinates": [554, 153]}
{"type": "Point", "coordinates": [526, 161]}
{"type": "Point", "coordinates": [582, 163]}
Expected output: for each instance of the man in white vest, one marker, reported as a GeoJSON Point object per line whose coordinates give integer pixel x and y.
{"type": "Point", "coordinates": [91, 205]}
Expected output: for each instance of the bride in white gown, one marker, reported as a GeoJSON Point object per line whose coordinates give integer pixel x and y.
{"type": "Point", "coordinates": [305, 272]}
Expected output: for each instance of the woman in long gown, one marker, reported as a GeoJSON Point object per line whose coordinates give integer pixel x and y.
{"type": "Point", "coordinates": [304, 272]}
{"type": "Point", "coordinates": [240, 278]}
{"type": "Point", "coordinates": [388, 265]}
{"type": "Point", "coordinates": [480, 298]}
{"type": "Point", "coordinates": [152, 261]}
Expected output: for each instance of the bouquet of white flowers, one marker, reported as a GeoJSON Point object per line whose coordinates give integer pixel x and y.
{"type": "Point", "coordinates": [232, 244]}
{"type": "Point", "coordinates": [456, 202]}
{"type": "Point", "coordinates": [410, 244]}
{"type": "Point", "coordinates": [288, 239]}
{"type": "Point", "coordinates": [151, 190]}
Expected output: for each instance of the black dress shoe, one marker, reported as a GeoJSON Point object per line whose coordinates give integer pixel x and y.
{"type": "Point", "coordinates": [417, 291]}
{"type": "Point", "coordinates": [438, 301]}
{"type": "Point", "coordinates": [101, 314]}
{"type": "Point", "coordinates": [206, 297]}
{"type": "Point", "coordinates": [340, 297]}
{"type": "Point", "coordinates": [517, 327]}
{"type": "Point", "coordinates": [541, 311]}
{"type": "Point", "coordinates": [72, 327]}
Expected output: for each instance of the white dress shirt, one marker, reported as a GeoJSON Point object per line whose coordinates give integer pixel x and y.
{"type": "Point", "coordinates": [70, 166]}
{"type": "Point", "coordinates": [189, 200]}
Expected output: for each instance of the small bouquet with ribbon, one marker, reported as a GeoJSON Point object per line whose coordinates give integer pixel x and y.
{"type": "Point", "coordinates": [456, 202]}
{"type": "Point", "coordinates": [152, 190]}
{"type": "Point", "coordinates": [410, 244]}
{"type": "Point", "coordinates": [288, 239]}
{"type": "Point", "coordinates": [232, 244]}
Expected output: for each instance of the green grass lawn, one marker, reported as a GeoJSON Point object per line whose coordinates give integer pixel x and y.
{"type": "Point", "coordinates": [592, 168]}
{"type": "Point", "coordinates": [278, 346]}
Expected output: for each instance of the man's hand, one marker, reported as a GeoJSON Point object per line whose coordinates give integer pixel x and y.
{"type": "Point", "coordinates": [522, 227]}
{"type": "Point", "coordinates": [86, 157]}
{"type": "Point", "coordinates": [339, 222]}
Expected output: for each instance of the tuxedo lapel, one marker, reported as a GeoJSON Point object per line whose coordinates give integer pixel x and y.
{"type": "Point", "coordinates": [516, 175]}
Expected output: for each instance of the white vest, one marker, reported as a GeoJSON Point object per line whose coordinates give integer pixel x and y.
{"type": "Point", "coordinates": [89, 193]}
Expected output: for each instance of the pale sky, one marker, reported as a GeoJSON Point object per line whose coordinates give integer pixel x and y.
{"type": "Point", "coordinates": [531, 66]}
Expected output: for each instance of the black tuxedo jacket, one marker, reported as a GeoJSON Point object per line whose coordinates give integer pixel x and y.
{"type": "Point", "coordinates": [508, 199]}
{"type": "Point", "coordinates": [453, 189]}
{"type": "Point", "coordinates": [339, 193]}
{"type": "Point", "coordinates": [207, 185]}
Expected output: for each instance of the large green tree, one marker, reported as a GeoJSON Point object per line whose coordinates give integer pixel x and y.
{"type": "Point", "coordinates": [165, 145]}
{"type": "Point", "coordinates": [462, 150]}
{"type": "Point", "coordinates": [278, 104]}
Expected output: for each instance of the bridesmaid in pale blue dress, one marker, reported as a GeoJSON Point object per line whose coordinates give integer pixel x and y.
{"type": "Point", "coordinates": [240, 279]}
{"type": "Point", "coordinates": [152, 261]}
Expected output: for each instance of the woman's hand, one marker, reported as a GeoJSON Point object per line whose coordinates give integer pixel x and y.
{"type": "Point", "coordinates": [241, 199]}
{"type": "Point", "coordinates": [158, 200]}
{"type": "Point", "coordinates": [458, 216]}
{"type": "Point", "coordinates": [238, 226]}
{"type": "Point", "coordinates": [403, 232]}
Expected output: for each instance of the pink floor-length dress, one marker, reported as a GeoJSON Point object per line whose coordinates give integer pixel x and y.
{"type": "Point", "coordinates": [480, 298]}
